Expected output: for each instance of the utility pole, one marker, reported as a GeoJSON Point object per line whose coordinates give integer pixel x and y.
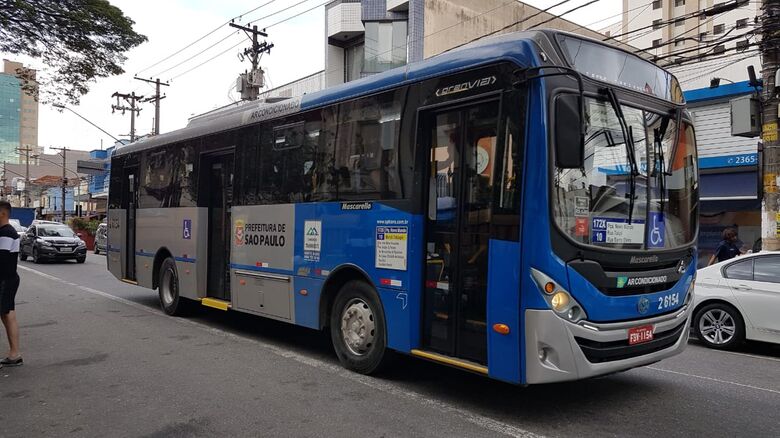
{"type": "Point", "coordinates": [26, 150]}
{"type": "Point", "coordinates": [133, 108]}
{"type": "Point", "coordinates": [4, 179]}
{"type": "Point", "coordinates": [156, 99]}
{"type": "Point", "coordinates": [770, 45]}
{"type": "Point", "coordinates": [249, 83]}
{"type": "Point", "coordinates": [64, 179]}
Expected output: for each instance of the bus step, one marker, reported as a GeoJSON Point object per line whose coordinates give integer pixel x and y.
{"type": "Point", "coordinates": [452, 361]}
{"type": "Point", "coordinates": [215, 303]}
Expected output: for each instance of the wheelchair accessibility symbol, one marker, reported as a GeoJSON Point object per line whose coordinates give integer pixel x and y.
{"type": "Point", "coordinates": [657, 231]}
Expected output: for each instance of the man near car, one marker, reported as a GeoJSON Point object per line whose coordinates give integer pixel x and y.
{"type": "Point", "coordinates": [9, 283]}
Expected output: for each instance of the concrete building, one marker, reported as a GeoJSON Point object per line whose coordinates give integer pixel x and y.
{"type": "Point", "coordinates": [18, 115]}
{"type": "Point", "coordinates": [365, 37]}
{"type": "Point", "coordinates": [665, 28]}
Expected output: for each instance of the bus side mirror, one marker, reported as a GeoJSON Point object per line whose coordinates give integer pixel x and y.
{"type": "Point", "coordinates": [569, 138]}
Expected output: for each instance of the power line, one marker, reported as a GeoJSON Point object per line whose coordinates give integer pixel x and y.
{"type": "Point", "coordinates": [211, 32]}
{"type": "Point", "coordinates": [565, 13]}
{"type": "Point", "coordinates": [241, 42]}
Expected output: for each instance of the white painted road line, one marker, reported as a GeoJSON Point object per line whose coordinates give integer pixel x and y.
{"type": "Point", "coordinates": [479, 420]}
{"type": "Point", "coordinates": [712, 379]}
{"type": "Point", "coordinates": [773, 359]}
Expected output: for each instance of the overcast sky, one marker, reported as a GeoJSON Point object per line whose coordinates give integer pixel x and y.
{"type": "Point", "coordinates": [173, 24]}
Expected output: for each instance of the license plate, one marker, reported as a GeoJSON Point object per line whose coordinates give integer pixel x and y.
{"type": "Point", "coordinates": [639, 335]}
{"type": "Point", "coordinates": [66, 249]}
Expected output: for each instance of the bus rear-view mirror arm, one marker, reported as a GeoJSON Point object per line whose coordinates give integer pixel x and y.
{"type": "Point", "coordinates": [567, 114]}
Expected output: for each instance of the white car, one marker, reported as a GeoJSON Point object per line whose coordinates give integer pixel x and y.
{"type": "Point", "coordinates": [738, 299]}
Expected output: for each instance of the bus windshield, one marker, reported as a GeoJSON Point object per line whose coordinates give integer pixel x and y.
{"type": "Point", "coordinates": [592, 204]}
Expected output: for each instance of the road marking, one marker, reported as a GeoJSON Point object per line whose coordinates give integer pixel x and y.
{"type": "Point", "coordinates": [773, 359]}
{"type": "Point", "coordinates": [372, 382]}
{"type": "Point", "coordinates": [774, 391]}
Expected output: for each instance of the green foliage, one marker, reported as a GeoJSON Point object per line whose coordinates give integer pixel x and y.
{"type": "Point", "coordinates": [79, 40]}
{"type": "Point", "coordinates": [78, 223]}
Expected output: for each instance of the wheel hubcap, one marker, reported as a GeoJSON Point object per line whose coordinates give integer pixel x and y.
{"type": "Point", "coordinates": [717, 326]}
{"type": "Point", "coordinates": [168, 285]}
{"type": "Point", "coordinates": [358, 328]}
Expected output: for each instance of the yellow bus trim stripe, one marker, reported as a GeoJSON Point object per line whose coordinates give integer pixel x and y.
{"type": "Point", "coordinates": [451, 361]}
{"type": "Point", "coordinates": [215, 303]}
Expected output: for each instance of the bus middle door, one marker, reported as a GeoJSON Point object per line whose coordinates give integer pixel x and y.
{"type": "Point", "coordinates": [463, 147]}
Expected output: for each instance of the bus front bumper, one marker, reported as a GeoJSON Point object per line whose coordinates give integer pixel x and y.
{"type": "Point", "coordinates": [558, 350]}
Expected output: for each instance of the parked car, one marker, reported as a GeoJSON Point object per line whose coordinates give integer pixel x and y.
{"type": "Point", "coordinates": [738, 299]}
{"type": "Point", "coordinates": [101, 237]}
{"type": "Point", "coordinates": [52, 241]}
{"type": "Point", "coordinates": [17, 226]}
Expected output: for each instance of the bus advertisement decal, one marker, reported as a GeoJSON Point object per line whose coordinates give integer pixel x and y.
{"type": "Point", "coordinates": [263, 236]}
{"type": "Point", "coordinates": [391, 247]}
{"type": "Point", "coordinates": [312, 240]}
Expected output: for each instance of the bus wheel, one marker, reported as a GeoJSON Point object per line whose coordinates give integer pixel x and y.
{"type": "Point", "coordinates": [357, 328]}
{"type": "Point", "coordinates": [168, 287]}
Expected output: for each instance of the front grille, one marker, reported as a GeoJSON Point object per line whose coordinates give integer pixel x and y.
{"type": "Point", "coordinates": [598, 352]}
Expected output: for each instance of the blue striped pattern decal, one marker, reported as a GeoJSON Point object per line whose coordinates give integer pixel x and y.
{"type": "Point", "coordinates": [258, 269]}
{"type": "Point", "coordinates": [178, 259]}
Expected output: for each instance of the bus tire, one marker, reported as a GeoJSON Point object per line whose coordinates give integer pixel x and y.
{"type": "Point", "coordinates": [168, 288]}
{"type": "Point", "coordinates": [357, 328]}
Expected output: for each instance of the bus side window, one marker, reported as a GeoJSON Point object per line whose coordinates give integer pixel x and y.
{"type": "Point", "coordinates": [367, 147]}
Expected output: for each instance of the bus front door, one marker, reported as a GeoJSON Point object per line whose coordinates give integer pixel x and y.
{"type": "Point", "coordinates": [462, 149]}
{"type": "Point", "coordinates": [131, 205]}
{"type": "Point", "coordinates": [219, 171]}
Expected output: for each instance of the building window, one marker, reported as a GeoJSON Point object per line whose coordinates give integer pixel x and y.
{"type": "Point", "coordinates": [657, 4]}
{"type": "Point", "coordinates": [680, 22]}
{"type": "Point", "coordinates": [657, 43]}
{"type": "Point", "coordinates": [702, 36]}
{"type": "Point", "coordinates": [679, 2]}
{"type": "Point", "coordinates": [743, 23]}
{"type": "Point", "coordinates": [385, 46]}
{"type": "Point", "coordinates": [678, 43]}
{"type": "Point", "coordinates": [720, 48]}
{"type": "Point", "coordinates": [657, 24]}
{"type": "Point", "coordinates": [742, 46]}
{"type": "Point", "coordinates": [353, 62]}
{"type": "Point", "coordinates": [718, 29]}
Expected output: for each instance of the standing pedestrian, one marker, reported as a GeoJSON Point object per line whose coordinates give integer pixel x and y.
{"type": "Point", "coordinates": [9, 283]}
{"type": "Point", "coordinates": [727, 248]}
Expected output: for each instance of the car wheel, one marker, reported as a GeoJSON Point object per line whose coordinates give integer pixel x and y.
{"type": "Point", "coordinates": [719, 326]}
{"type": "Point", "coordinates": [81, 260]}
{"type": "Point", "coordinates": [22, 255]}
{"type": "Point", "coordinates": [97, 251]}
{"type": "Point", "coordinates": [35, 258]}
{"type": "Point", "coordinates": [357, 328]}
{"type": "Point", "coordinates": [168, 288]}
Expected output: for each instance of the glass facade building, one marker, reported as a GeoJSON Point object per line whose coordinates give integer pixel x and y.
{"type": "Point", "coordinates": [10, 117]}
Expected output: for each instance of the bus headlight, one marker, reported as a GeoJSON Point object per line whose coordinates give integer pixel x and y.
{"type": "Point", "coordinates": [559, 300]}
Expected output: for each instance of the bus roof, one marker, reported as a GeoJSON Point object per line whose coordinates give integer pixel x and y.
{"type": "Point", "coordinates": [516, 47]}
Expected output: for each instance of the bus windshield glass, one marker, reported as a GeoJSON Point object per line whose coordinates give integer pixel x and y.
{"type": "Point", "coordinates": [592, 204]}
{"type": "Point", "coordinates": [620, 68]}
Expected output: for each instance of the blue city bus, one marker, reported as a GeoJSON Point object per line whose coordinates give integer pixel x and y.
{"type": "Point", "coordinates": [523, 207]}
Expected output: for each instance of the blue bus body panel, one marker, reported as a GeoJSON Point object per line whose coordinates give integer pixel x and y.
{"type": "Point", "coordinates": [504, 308]}
{"type": "Point", "coordinates": [349, 240]}
{"type": "Point", "coordinates": [604, 308]}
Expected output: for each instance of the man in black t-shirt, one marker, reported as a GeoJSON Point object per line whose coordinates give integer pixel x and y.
{"type": "Point", "coordinates": [727, 248]}
{"type": "Point", "coordinates": [9, 283]}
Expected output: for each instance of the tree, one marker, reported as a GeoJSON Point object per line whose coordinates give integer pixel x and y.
{"type": "Point", "coordinates": [79, 40]}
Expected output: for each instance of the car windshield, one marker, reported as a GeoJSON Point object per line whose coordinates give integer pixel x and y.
{"type": "Point", "coordinates": [592, 204]}
{"type": "Point", "coordinates": [60, 231]}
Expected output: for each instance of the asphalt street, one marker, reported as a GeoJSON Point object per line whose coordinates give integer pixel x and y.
{"type": "Point", "coordinates": [101, 359]}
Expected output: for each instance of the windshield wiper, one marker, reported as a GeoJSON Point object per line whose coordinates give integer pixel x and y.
{"type": "Point", "coordinates": [659, 167]}
{"type": "Point", "coordinates": [628, 136]}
